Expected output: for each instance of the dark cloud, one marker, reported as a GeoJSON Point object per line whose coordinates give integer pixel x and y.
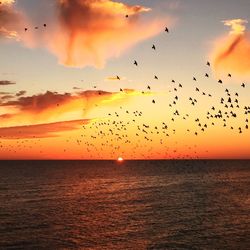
{"type": "Point", "coordinates": [5, 82]}
{"type": "Point", "coordinates": [21, 93]}
{"type": "Point", "coordinates": [43, 102]}
{"type": "Point", "coordinates": [6, 97]}
{"type": "Point", "coordinates": [41, 130]}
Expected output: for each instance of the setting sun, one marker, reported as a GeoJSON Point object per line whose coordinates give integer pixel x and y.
{"type": "Point", "coordinates": [120, 159]}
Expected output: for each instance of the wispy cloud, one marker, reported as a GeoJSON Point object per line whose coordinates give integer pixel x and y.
{"type": "Point", "coordinates": [231, 53]}
{"type": "Point", "coordinates": [114, 78]}
{"type": "Point", "coordinates": [40, 130]}
{"type": "Point", "coordinates": [5, 82]}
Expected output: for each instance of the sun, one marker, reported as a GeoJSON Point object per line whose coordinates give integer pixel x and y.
{"type": "Point", "coordinates": [120, 159]}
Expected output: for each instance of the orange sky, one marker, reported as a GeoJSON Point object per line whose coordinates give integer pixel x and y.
{"type": "Point", "coordinates": [75, 92]}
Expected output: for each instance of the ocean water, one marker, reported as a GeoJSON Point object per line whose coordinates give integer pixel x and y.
{"type": "Point", "coordinates": [133, 205]}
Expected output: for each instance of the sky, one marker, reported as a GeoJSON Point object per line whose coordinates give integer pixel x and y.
{"type": "Point", "coordinates": [69, 87]}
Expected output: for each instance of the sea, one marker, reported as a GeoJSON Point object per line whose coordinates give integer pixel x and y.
{"type": "Point", "coordinates": [195, 204]}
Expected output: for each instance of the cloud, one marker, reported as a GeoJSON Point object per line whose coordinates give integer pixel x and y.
{"type": "Point", "coordinates": [21, 93]}
{"type": "Point", "coordinates": [92, 31]}
{"type": "Point", "coordinates": [6, 83]}
{"type": "Point", "coordinates": [11, 21]}
{"type": "Point", "coordinates": [10, 34]}
{"type": "Point", "coordinates": [49, 114]}
{"type": "Point", "coordinates": [40, 130]}
{"type": "Point", "coordinates": [231, 53]}
{"type": "Point", "coordinates": [7, 2]}
{"type": "Point", "coordinates": [54, 107]}
{"type": "Point", "coordinates": [83, 32]}
{"type": "Point", "coordinates": [237, 25]}
{"type": "Point", "coordinates": [6, 97]}
{"type": "Point", "coordinates": [114, 78]}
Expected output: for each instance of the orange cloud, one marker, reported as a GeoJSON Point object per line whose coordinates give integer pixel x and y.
{"type": "Point", "coordinates": [83, 32]}
{"type": "Point", "coordinates": [231, 53]}
{"type": "Point", "coordinates": [52, 107]}
{"type": "Point", "coordinates": [7, 1]}
{"type": "Point", "coordinates": [114, 78]}
{"type": "Point", "coordinates": [92, 31]}
{"type": "Point", "coordinates": [11, 21]}
{"type": "Point", "coordinates": [40, 130]}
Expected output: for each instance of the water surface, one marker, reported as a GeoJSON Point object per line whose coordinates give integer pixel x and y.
{"type": "Point", "coordinates": [134, 205]}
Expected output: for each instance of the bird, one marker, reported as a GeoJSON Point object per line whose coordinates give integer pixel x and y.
{"type": "Point", "coordinates": [135, 63]}
{"type": "Point", "coordinates": [194, 78]}
{"type": "Point", "coordinates": [44, 25]}
{"type": "Point", "coordinates": [153, 101]}
{"type": "Point", "coordinates": [153, 47]}
{"type": "Point", "coordinates": [156, 77]}
{"type": "Point", "coordinates": [118, 78]}
{"type": "Point", "coordinates": [208, 63]}
{"type": "Point", "coordinates": [229, 75]}
{"type": "Point", "coordinates": [166, 29]}
{"type": "Point", "coordinates": [243, 85]}
{"type": "Point", "coordinates": [206, 75]}
{"type": "Point", "coordinates": [220, 81]}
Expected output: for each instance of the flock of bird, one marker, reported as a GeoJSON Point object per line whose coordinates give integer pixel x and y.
{"type": "Point", "coordinates": [125, 131]}
{"type": "Point", "coordinates": [115, 133]}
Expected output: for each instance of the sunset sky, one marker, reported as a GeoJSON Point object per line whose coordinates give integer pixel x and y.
{"type": "Point", "coordinates": [60, 96]}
